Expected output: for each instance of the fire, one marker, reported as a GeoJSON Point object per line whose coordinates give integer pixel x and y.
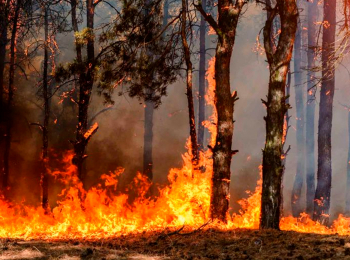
{"type": "Point", "coordinates": [101, 212]}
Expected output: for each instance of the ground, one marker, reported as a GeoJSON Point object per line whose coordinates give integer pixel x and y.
{"type": "Point", "coordinates": [180, 244]}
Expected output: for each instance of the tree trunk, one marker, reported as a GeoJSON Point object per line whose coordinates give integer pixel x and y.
{"type": "Point", "coordinates": [148, 140]}
{"type": "Point", "coordinates": [278, 60]}
{"type": "Point", "coordinates": [3, 44]}
{"type": "Point", "coordinates": [228, 16]}
{"type": "Point", "coordinates": [347, 201]}
{"type": "Point", "coordinates": [225, 28]}
{"type": "Point", "coordinates": [189, 68]}
{"type": "Point", "coordinates": [310, 106]}
{"type": "Point", "coordinates": [297, 208]}
{"type": "Point", "coordinates": [324, 167]}
{"type": "Point", "coordinates": [202, 80]}
{"type": "Point", "coordinates": [47, 97]}
{"type": "Point", "coordinates": [86, 84]}
{"type": "Point", "coordinates": [8, 134]}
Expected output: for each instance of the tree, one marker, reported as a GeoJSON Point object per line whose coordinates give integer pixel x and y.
{"type": "Point", "coordinates": [202, 80]}
{"type": "Point", "coordinates": [47, 99]}
{"type": "Point", "coordinates": [141, 53]}
{"type": "Point", "coordinates": [52, 22]}
{"type": "Point", "coordinates": [85, 69]}
{"type": "Point", "coordinates": [310, 105]}
{"type": "Point", "coordinates": [347, 194]}
{"type": "Point", "coordinates": [300, 119]}
{"type": "Point", "coordinates": [277, 107]}
{"type": "Point", "coordinates": [17, 7]}
{"type": "Point", "coordinates": [4, 9]}
{"type": "Point", "coordinates": [324, 166]}
{"type": "Point", "coordinates": [229, 12]}
{"type": "Point", "coordinates": [189, 83]}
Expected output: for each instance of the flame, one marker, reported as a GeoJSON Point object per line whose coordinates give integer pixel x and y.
{"type": "Point", "coordinates": [102, 212]}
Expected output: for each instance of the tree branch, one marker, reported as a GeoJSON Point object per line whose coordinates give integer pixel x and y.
{"type": "Point", "coordinates": [207, 17]}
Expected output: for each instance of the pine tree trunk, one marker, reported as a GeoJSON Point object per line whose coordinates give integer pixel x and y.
{"type": "Point", "coordinates": [202, 81]}
{"type": "Point", "coordinates": [347, 201]}
{"type": "Point", "coordinates": [278, 60]}
{"type": "Point", "coordinates": [297, 207]}
{"type": "Point", "coordinates": [310, 107]}
{"type": "Point", "coordinates": [222, 153]}
{"type": "Point", "coordinates": [189, 68]}
{"type": "Point", "coordinates": [86, 84]}
{"type": "Point", "coordinates": [3, 44]}
{"type": "Point", "coordinates": [148, 140]}
{"type": "Point", "coordinates": [225, 28]}
{"type": "Point", "coordinates": [46, 95]}
{"type": "Point", "coordinates": [9, 121]}
{"type": "Point", "coordinates": [324, 167]}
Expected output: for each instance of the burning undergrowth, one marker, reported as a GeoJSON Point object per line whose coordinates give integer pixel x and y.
{"type": "Point", "coordinates": [103, 212]}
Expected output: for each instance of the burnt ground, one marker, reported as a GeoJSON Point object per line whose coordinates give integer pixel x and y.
{"type": "Point", "coordinates": [203, 244]}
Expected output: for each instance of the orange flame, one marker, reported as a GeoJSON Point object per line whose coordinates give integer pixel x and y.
{"type": "Point", "coordinates": [99, 213]}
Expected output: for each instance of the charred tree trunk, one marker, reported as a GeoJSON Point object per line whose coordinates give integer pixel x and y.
{"type": "Point", "coordinates": [324, 168]}
{"type": "Point", "coordinates": [202, 81]}
{"type": "Point", "coordinates": [299, 100]}
{"type": "Point", "coordinates": [310, 107]}
{"type": "Point", "coordinates": [3, 44]}
{"type": "Point", "coordinates": [9, 105]}
{"type": "Point", "coordinates": [149, 112]}
{"type": "Point", "coordinates": [228, 16]}
{"type": "Point", "coordinates": [148, 140]}
{"type": "Point", "coordinates": [347, 201]}
{"type": "Point", "coordinates": [47, 97]}
{"type": "Point", "coordinates": [189, 68]}
{"type": "Point", "coordinates": [276, 109]}
{"type": "Point", "coordinates": [85, 88]}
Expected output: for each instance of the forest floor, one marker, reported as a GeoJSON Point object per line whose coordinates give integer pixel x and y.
{"type": "Point", "coordinates": [203, 244]}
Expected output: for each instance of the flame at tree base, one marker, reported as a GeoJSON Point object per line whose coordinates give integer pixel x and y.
{"type": "Point", "coordinates": [97, 214]}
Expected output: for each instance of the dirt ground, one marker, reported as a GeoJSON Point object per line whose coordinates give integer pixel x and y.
{"type": "Point", "coordinates": [181, 244]}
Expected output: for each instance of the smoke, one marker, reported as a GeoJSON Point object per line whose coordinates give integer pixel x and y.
{"type": "Point", "coordinates": [119, 140]}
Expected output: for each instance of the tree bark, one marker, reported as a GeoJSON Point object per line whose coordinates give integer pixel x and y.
{"type": "Point", "coordinates": [148, 140]}
{"type": "Point", "coordinates": [86, 81]}
{"type": "Point", "coordinates": [47, 97]}
{"type": "Point", "coordinates": [228, 16]}
{"type": "Point", "coordinates": [9, 119]}
{"type": "Point", "coordinates": [347, 201]}
{"type": "Point", "coordinates": [278, 60]}
{"type": "Point", "coordinates": [310, 107]}
{"type": "Point", "coordinates": [297, 207]}
{"type": "Point", "coordinates": [202, 80]}
{"type": "Point", "coordinates": [3, 44]}
{"type": "Point", "coordinates": [324, 167]}
{"type": "Point", "coordinates": [189, 72]}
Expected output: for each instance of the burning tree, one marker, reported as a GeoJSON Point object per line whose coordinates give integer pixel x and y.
{"type": "Point", "coordinates": [300, 119]}
{"type": "Point", "coordinates": [15, 19]}
{"type": "Point", "coordinates": [189, 73]}
{"type": "Point", "coordinates": [310, 105]}
{"type": "Point", "coordinates": [202, 80]}
{"type": "Point", "coordinates": [229, 12]}
{"type": "Point", "coordinates": [277, 107]}
{"type": "Point", "coordinates": [53, 21]}
{"type": "Point", "coordinates": [85, 69]}
{"type": "Point", "coordinates": [324, 168]}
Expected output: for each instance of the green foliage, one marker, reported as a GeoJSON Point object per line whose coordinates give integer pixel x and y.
{"type": "Point", "coordinates": [84, 36]}
{"type": "Point", "coordinates": [138, 55]}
